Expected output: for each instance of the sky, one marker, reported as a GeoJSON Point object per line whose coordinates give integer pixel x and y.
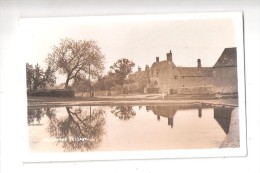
{"type": "Point", "coordinates": [139, 38]}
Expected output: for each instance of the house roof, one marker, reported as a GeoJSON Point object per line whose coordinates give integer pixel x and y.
{"type": "Point", "coordinates": [162, 64]}
{"type": "Point", "coordinates": [195, 71]}
{"type": "Point", "coordinates": [228, 58]}
{"type": "Point", "coordinates": [137, 76]}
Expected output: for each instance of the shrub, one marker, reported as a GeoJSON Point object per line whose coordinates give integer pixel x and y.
{"type": "Point", "coordinates": [52, 93]}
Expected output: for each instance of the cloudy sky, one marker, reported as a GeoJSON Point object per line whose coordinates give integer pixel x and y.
{"type": "Point", "coordinates": [138, 38]}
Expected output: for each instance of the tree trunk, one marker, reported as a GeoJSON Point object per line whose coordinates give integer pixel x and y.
{"type": "Point", "coordinates": [67, 83]}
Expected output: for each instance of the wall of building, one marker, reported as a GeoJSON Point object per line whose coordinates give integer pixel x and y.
{"type": "Point", "coordinates": [195, 81]}
{"type": "Point", "coordinates": [169, 78]}
{"type": "Point", "coordinates": [196, 90]}
{"type": "Point", "coordinates": [225, 80]}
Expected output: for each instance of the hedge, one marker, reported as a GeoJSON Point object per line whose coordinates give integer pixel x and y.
{"type": "Point", "coordinates": [52, 93]}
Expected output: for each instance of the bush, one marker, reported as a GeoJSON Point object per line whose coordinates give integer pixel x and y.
{"type": "Point", "coordinates": [151, 90]}
{"type": "Point", "coordinates": [51, 93]}
{"type": "Point", "coordinates": [173, 91]}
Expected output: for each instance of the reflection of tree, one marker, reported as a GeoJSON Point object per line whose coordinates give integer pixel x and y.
{"type": "Point", "coordinates": [80, 130]}
{"type": "Point", "coordinates": [123, 112]}
{"type": "Point", "coordinates": [34, 115]}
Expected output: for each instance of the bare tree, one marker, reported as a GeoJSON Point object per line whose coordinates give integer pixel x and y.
{"type": "Point", "coordinates": [73, 58]}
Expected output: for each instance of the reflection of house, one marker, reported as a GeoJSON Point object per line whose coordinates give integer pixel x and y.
{"type": "Point", "coordinates": [164, 111]}
{"type": "Point", "coordinates": [170, 111]}
{"type": "Point", "coordinates": [165, 76]}
{"type": "Point", "coordinates": [223, 117]}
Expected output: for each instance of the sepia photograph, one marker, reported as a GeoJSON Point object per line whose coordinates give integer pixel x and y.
{"type": "Point", "coordinates": [133, 83]}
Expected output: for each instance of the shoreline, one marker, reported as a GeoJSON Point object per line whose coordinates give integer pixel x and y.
{"type": "Point", "coordinates": [126, 100]}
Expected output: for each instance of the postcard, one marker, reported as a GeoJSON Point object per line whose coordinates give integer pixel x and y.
{"type": "Point", "coordinates": [134, 87]}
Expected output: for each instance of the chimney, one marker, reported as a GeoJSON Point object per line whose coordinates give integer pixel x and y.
{"type": "Point", "coordinates": [199, 62]}
{"type": "Point", "coordinates": [139, 68]}
{"type": "Point", "coordinates": [146, 68]}
{"type": "Point", "coordinates": [157, 59]}
{"type": "Point", "coordinates": [169, 56]}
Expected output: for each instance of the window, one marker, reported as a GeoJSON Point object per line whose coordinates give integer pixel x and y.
{"type": "Point", "coordinates": [176, 77]}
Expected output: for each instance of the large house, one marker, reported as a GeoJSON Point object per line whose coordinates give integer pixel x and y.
{"type": "Point", "coordinates": [165, 76]}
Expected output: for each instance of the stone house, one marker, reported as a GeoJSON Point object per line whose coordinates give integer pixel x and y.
{"type": "Point", "coordinates": [168, 77]}
{"type": "Point", "coordinates": [165, 76]}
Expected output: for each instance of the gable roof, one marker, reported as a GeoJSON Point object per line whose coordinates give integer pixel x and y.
{"type": "Point", "coordinates": [228, 58]}
{"type": "Point", "coordinates": [137, 76]}
{"type": "Point", "coordinates": [195, 71]}
{"type": "Point", "coordinates": [162, 64]}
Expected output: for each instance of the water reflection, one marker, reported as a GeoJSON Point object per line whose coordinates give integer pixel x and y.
{"type": "Point", "coordinates": [80, 129]}
{"type": "Point", "coordinates": [223, 116]}
{"type": "Point", "coordinates": [200, 112]}
{"type": "Point", "coordinates": [35, 116]}
{"type": "Point", "coordinates": [164, 111]}
{"type": "Point", "coordinates": [83, 128]}
{"type": "Point", "coordinates": [124, 112]}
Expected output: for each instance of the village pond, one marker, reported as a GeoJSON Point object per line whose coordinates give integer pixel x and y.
{"type": "Point", "coordinates": [125, 128]}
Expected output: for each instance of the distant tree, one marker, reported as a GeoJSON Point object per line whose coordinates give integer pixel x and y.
{"type": "Point", "coordinates": [37, 78]}
{"type": "Point", "coordinates": [106, 82]}
{"type": "Point", "coordinates": [73, 58]}
{"type": "Point", "coordinates": [49, 78]}
{"type": "Point", "coordinates": [29, 76]}
{"type": "Point", "coordinates": [121, 69]}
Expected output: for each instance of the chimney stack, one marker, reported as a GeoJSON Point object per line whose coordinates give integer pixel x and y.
{"type": "Point", "coordinates": [169, 56]}
{"type": "Point", "coordinates": [157, 59]}
{"type": "Point", "coordinates": [139, 68]}
{"type": "Point", "coordinates": [146, 68]}
{"type": "Point", "coordinates": [199, 62]}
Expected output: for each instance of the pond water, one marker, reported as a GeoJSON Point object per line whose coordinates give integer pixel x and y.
{"type": "Point", "coordinates": [124, 128]}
